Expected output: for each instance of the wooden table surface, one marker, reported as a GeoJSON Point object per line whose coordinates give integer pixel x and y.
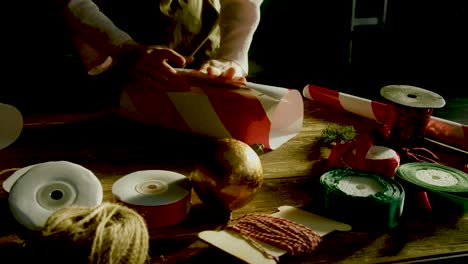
{"type": "Point", "coordinates": [112, 147]}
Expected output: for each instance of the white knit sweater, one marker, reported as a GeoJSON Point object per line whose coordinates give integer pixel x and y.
{"type": "Point", "coordinates": [238, 21]}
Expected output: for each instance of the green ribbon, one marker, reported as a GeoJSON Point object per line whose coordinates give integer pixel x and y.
{"type": "Point", "coordinates": [362, 198]}
{"type": "Point", "coordinates": [447, 187]}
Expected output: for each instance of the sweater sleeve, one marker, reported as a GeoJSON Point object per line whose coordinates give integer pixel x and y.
{"type": "Point", "coordinates": [96, 37]}
{"type": "Point", "coordinates": [239, 20]}
{"type": "Point", "coordinates": [93, 26]}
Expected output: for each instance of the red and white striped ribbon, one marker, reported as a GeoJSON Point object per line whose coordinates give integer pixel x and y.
{"type": "Point", "coordinates": [253, 113]}
{"type": "Point", "coordinates": [444, 131]}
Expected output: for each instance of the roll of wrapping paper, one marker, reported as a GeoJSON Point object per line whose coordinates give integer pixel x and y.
{"type": "Point", "coordinates": [250, 112]}
{"type": "Point", "coordinates": [446, 187]}
{"type": "Point", "coordinates": [444, 131]}
{"type": "Point", "coordinates": [363, 199]}
{"type": "Point", "coordinates": [162, 197]}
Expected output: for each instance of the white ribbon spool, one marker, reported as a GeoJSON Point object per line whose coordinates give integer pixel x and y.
{"type": "Point", "coordinates": [11, 124]}
{"type": "Point", "coordinates": [162, 197]}
{"type": "Point", "coordinates": [39, 190]}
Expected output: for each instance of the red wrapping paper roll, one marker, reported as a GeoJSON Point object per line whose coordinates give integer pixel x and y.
{"type": "Point", "coordinates": [250, 112]}
{"type": "Point", "coordinates": [444, 131]}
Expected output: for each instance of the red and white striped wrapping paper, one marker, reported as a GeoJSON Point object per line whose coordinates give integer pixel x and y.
{"type": "Point", "coordinates": [253, 113]}
{"type": "Point", "coordinates": [441, 130]}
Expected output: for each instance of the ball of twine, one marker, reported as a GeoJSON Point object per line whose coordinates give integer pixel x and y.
{"type": "Point", "coordinates": [108, 233]}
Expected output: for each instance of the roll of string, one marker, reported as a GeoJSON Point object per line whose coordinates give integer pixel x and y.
{"type": "Point", "coordinates": [282, 233]}
{"type": "Point", "coordinates": [108, 233]}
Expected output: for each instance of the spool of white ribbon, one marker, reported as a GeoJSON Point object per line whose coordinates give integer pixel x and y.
{"type": "Point", "coordinates": [11, 124]}
{"type": "Point", "coordinates": [37, 191]}
{"type": "Point", "coordinates": [162, 197]}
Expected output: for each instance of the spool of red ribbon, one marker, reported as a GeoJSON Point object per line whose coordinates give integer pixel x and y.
{"type": "Point", "coordinates": [410, 112]}
{"type": "Point", "coordinates": [161, 197]}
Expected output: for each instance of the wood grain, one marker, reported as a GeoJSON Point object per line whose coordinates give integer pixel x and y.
{"type": "Point", "coordinates": [112, 147]}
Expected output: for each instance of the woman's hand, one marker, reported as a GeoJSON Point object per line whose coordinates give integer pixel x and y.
{"type": "Point", "coordinates": [155, 67]}
{"type": "Point", "coordinates": [223, 69]}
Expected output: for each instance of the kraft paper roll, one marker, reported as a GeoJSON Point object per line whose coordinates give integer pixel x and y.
{"type": "Point", "coordinates": [446, 187]}
{"type": "Point", "coordinates": [37, 191]}
{"type": "Point", "coordinates": [11, 125]}
{"type": "Point", "coordinates": [162, 197]}
{"type": "Point", "coordinates": [363, 198]}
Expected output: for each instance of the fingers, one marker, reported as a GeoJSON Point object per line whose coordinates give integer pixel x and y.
{"type": "Point", "coordinates": [212, 71]}
{"type": "Point", "coordinates": [229, 73]}
{"type": "Point", "coordinates": [223, 69]}
{"type": "Point", "coordinates": [154, 68]}
{"type": "Point", "coordinates": [165, 58]}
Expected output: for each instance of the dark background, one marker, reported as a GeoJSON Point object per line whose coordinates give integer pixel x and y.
{"type": "Point", "coordinates": [422, 43]}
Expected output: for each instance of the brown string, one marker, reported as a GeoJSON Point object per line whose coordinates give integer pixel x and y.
{"type": "Point", "coordinates": [282, 233]}
{"type": "Point", "coordinates": [108, 233]}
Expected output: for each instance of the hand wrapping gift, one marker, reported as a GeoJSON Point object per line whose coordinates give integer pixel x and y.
{"type": "Point", "coordinates": [215, 107]}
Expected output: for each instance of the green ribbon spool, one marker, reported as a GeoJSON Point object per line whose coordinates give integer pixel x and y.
{"type": "Point", "coordinates": [362, 198]}
{"type": "Point", "coordinates": [447, 187]}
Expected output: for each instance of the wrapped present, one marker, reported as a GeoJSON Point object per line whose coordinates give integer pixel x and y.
{"type": "Point", "coordinates": [251, 112]}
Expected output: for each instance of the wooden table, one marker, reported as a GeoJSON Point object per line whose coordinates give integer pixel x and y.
{"type": "Point", "coordinates": [112, 147]}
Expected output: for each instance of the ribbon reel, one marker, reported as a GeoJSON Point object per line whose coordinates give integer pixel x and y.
{"type": "Point", "coordinates": [410, 112]}
{"type": "Point", "coordinates": [37, 191]}
{"type": "Point", "coordinates": [162, 197]}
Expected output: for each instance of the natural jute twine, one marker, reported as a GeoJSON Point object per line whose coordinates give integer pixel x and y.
{"type": "Point", "coordinates": [106, 234]}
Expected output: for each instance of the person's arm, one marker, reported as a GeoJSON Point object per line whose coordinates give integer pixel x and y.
{"type": "Point", "coordinates": [94, 27]}
{"type": "Point", "coordinates": [239, 20]}
{"type": "Point", "coordinates": [98, 40]}
{"type": "Point", "coordinates": [238, 23]}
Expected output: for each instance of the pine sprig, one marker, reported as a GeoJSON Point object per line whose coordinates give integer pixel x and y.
{"type": "Point", "coordinates": [334, 133]}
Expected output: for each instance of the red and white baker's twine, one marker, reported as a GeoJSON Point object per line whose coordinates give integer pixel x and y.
{"type": "Point", "coordinates": [282, 233]}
